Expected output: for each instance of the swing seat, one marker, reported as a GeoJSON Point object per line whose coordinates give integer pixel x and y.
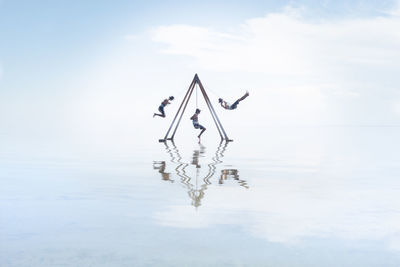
{"type": "Point", "coordinates": [161, 140]}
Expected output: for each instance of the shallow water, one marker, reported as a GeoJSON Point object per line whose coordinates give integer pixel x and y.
{"type": "Point", "coordinates": [300, 196]}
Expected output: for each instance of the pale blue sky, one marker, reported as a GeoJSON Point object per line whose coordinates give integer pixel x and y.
{"type": "Point", "coordinates": [68, 65]}
{"type": "Point", "coordinates": [39, 35]}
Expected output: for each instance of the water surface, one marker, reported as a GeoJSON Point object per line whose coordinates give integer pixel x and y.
{"type": "Point", "coordinates": [295, 196]}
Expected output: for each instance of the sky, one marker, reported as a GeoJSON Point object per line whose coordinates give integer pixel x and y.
{"type": "Point", "coordinates": [94, 70]}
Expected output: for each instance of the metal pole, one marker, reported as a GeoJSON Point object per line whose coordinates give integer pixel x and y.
{"type": "Point", "coordinates": [212, 115]}
{"type": "Point", "coordinates": [213, 111]}
{"type": "Point", "coordinates": [184, 108]}
{"type": "Point", "coordinates": [219, 122]}
{"type": "Point", "coordinates": [176, 115]}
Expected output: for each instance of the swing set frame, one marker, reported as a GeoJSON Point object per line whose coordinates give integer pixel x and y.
{"type": "Point", "coordinates": [185, 101]}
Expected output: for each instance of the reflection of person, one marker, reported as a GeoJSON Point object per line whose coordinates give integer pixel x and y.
{"type": "Point", "coordinates": [161, 107]}
{"type": "Point", "coordinates": [160, 166]}
{"type": "Point", "coordinates": [225, 174]}
{"type": "Point", "coordinates": [196, 155]}
{"type": "Point", "coordinates": [231, 173]}
{"type": "Point", "coordinates": [195, 119]}
{"type": "Point", "coordinates": [195, 160]}
{"type": "Point", "coordinates": [225, 105]}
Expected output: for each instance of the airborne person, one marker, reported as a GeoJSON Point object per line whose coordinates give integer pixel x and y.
{"type": "Point", "coordinates": [161, 107]}
{"type": "Point", "coordinates": [225, 105]}
{"type": "Point", "coordinates": [196, 124]}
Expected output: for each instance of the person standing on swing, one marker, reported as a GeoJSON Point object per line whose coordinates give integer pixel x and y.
{"type": "Point", "coordinates": [195, 119]}
{"type": "Point", "coordinates": [161, 107]}
{"type": "Point", "coordinates": [225, 105]}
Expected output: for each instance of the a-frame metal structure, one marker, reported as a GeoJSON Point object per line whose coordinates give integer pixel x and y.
{"type": "Point", "coordinates": [185, 101]}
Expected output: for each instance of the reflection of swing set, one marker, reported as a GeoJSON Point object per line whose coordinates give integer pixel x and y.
{"type": "Point", "coordinates": [185, 101]}
{"type": "Point", "coordinates": [195, 191]}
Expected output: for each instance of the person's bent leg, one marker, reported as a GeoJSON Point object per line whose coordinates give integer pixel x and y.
{"type": "Point", "coordinates": [202, 131]}
{"type": "Point", "coordinates": [161, 109]}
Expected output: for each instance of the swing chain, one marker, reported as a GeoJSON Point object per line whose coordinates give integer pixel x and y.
{"type": "Point", "coordinates": [196, 96]}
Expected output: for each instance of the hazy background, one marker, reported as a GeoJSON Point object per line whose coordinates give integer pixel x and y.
{"type": "Point", "coordinates": [82, 73]}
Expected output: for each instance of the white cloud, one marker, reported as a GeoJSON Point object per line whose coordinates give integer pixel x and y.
{"type": "Point", "coordinates": [346, 93]}
{"type": "Point", "coordinates": [285, 43]}
{"type": "Point", "coordinates": [352, 58]}
{"type": "Point", "coordinates": [395, 11]}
